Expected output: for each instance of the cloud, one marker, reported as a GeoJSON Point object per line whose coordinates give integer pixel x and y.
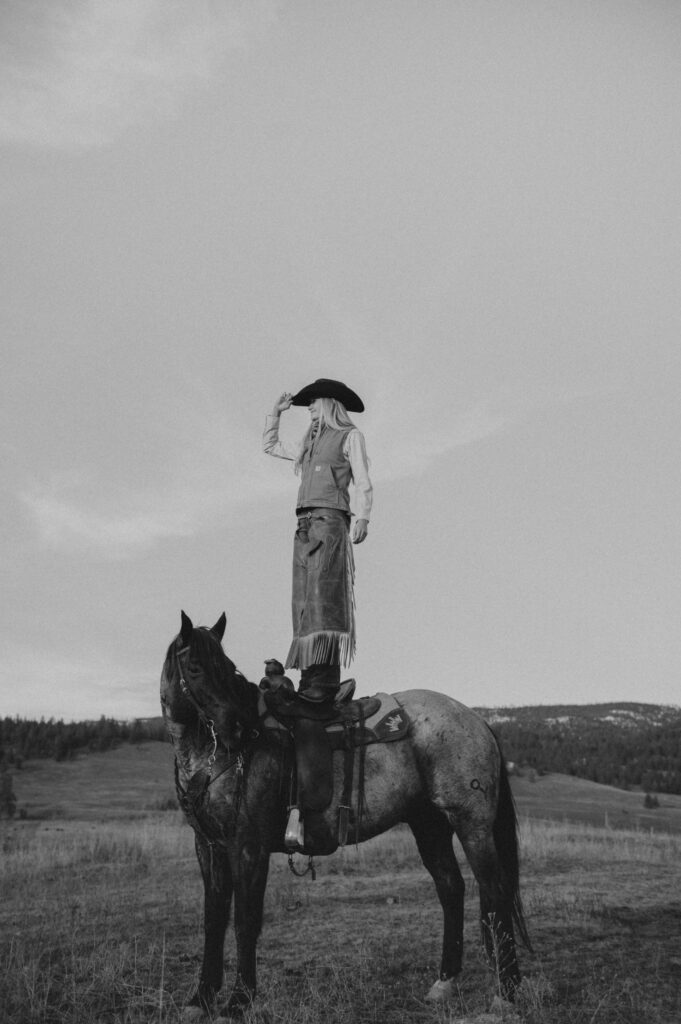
{"type": "Point", "coordinates": [498, 411]}
{"type": "Point", "coordinates": [200, 461]}
{"type": "Point", "coordinates": [113, 522]}
{"type": "Point", "coordinates": [113, 519]}
{"type": "Point", "coordinates": [421, 446]}
{"type": "Point", "coordinates": [68, 525]}
{"type": "Point", "coordinates": [77, 74]}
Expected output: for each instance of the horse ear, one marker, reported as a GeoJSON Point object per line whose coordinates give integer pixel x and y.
{"type": "Point", "coordinates": [218, 629]}
{"type": "Point", "coordinates": [187, 629]}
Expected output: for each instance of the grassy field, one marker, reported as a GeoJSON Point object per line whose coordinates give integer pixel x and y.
{"type": "Point", "coordinates": [564, 798]}
{"type": "Point", "coordinates": [100, 919]}
{"type": "Point", "coordinates": [131, 781]}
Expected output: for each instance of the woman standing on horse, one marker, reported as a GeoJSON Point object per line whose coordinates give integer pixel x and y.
{"type": "Point", "coordinates": [330, 456]}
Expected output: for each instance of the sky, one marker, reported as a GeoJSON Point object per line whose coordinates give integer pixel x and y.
{"type": "Point", "coordinates": [467, 210]}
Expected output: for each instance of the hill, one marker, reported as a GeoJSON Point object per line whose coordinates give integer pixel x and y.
{"type": "Point", "coordinates": [128, 781]}
{"type": "Point", "coordinates": [619, 744]}
{"type": "Point", "coordinates": [133, 780]}
{"type": "Point", "coordinates": [632, 746]}
{"type": "Point", "coordinates": [23, 738]}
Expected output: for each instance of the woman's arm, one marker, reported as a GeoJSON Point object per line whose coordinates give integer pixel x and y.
{"type": "Point", "coordinates": [355, 451]}
{"type": "Point", "coordinates": [271, 444]}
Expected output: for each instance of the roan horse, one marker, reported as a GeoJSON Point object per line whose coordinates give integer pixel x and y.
{"type": "Point", "coordinates": [233, 780]}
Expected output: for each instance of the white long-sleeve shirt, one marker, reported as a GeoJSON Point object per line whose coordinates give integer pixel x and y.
{"type": "Point", "coordinates": [354, 451]}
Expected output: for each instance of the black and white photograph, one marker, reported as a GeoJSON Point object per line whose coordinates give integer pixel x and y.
{"type": "Point", "coordinates": [340, 546]}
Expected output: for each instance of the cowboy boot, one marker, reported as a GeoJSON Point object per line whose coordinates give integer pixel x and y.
{"type": "Point", "coordinates": [319, 683]}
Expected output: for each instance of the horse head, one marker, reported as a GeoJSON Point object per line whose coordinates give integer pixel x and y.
{"type": "Point", "coordinates": [199, 683]}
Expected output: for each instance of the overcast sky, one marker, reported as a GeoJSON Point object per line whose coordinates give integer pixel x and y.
{"type": "Point", "coordinates": [468, 210]}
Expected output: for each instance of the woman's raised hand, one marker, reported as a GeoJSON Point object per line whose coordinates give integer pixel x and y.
{"type": "Point", "coordinates": [282, 403]}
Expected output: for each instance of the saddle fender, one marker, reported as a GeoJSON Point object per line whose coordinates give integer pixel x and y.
{"type": "Point", "coordinates": [318, 731]}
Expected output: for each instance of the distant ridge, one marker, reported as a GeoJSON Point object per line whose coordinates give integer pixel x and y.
{"type": "Point", "coordinates": [619, 713]}
{"type": "Point", "coordinates": [625, 744]}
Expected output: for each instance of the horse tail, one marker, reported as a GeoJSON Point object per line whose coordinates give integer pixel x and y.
{"type": "Point", "coordinates": [505, 831]}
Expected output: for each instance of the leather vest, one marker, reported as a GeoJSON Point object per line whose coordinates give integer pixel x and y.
{"type": "Point", "coordinates": [326, 473]}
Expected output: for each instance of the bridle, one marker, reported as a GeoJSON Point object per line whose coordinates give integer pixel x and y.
{"type": "Point", "coordinates": [238, 758]}
{"type": "Point", "coordinates": [192, 798]}
{"type": "Point", "coordinates": [203, 717]}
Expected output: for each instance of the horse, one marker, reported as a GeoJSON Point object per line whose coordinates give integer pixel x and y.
{"type": "Point", "coordinates": [233, 779]}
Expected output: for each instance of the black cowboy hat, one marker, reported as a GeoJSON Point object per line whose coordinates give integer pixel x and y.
{"type": "Point", "coordinates": [324, 388]}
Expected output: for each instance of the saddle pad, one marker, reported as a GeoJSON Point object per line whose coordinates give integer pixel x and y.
{"type": "Point", "coordinates": [390, 722]}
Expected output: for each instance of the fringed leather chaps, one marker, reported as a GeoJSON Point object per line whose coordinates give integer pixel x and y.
{"type": "Point", "coordinates": [323, 591]}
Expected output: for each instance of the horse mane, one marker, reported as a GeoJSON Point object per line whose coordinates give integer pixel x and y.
{"type": "Point", "coordinates": [229, 684]}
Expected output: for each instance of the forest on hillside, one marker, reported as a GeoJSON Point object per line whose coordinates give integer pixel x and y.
{"type": "Point", "coordinates": [627, 754]}
{"type": "Point", "coordinates": [22, 739]}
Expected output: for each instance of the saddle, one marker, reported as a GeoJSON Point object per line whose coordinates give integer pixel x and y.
{"type": "Point", "coordinates": [320, 729]}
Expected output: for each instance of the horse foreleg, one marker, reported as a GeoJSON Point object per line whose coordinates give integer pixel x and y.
{"type": "Point", "coordinates": [249, 868]}
{"type": "Point", "coordinates": [217, 896]}
{"type": "Point", "coordinates": [433, 836]}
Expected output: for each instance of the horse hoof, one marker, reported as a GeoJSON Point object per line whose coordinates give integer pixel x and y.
{"type": "Point", "coordinates": [238, 1003]}
{"type": "Point", "coordinates": [504, 1010]}
{"type": "Point", "coordinates": [441, 991]}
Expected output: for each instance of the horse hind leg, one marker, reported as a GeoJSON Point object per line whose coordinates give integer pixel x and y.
{"type": "Point", "coordinates": [433, 835]}
{"type": "Point", "coordinates": [496, 909]}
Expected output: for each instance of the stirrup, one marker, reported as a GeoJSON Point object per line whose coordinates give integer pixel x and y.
{"type": "Point", "coordinates": [294, 838]}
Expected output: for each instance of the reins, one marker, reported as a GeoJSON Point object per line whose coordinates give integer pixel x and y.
{"type": "Point", "coordinates": [191, 803]}
{"type": "Point", "coordinates": [208, 722]}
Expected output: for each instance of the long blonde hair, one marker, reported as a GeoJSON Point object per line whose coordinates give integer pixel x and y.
{"type": "Point", "coordinates": [333, 414]}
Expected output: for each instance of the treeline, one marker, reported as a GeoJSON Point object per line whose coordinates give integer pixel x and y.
{"type": "Point", "coordinates": [644, 754]}
{"type": "Point", "coordinates": [618, 745]}
{"type": "Point", "coordinates": [22, 739]}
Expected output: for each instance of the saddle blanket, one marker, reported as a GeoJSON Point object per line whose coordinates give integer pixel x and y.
{"type": "Point", "coordinates": [388, 723]}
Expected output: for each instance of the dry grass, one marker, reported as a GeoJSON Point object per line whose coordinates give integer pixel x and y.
{"type": "Point", "coordinates": [565, 798]}
{"type": "Point", "coordinates": [123, 783]}
{"type": "Point", "coordinates": [102, 923]}
{"type": "Point", "coordinates": [100, 912]}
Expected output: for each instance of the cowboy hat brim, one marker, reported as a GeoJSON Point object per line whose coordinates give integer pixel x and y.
{"type": "Point", "coordinates": [324, 388]}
